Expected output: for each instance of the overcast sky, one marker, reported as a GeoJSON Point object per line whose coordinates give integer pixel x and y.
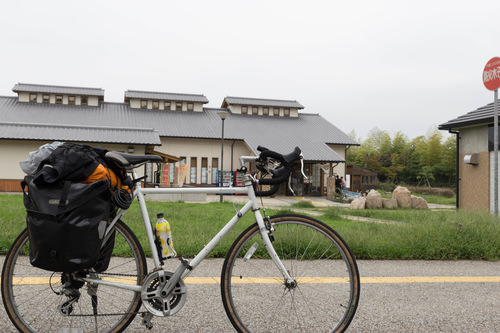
{"type": "Point", "coordinates": [395, 65]}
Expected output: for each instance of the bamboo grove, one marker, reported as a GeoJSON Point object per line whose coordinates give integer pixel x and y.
{"type": "Point", "coordinates": [428, 160]}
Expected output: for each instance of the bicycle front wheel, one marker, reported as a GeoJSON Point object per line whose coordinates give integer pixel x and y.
{"type": "Point", "coordinates": [36, 301]}
{"type": "Point", "coordinates": [325, 292]}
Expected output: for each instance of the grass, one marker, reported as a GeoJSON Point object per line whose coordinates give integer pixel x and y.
{"type": "Point", "coordinates": [420, 234]}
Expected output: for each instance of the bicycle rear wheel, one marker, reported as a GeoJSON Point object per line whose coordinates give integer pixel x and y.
{"type": "Point", "coordinates": [31, 299]}
{"type": "Point", "coordinates": [326, 293]}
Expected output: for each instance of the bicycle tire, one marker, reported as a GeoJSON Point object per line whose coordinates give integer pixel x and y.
{"type": "Point", "coordinates": [33, 306]}
{"type": "Point", "coordinates": [327, 289]}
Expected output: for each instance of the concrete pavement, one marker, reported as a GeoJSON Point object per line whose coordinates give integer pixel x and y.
{"type": "Point", "coordinates": [396, 296]}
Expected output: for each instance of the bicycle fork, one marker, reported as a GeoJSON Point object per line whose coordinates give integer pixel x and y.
{"type": "Point", "coordinates": [266, 230]}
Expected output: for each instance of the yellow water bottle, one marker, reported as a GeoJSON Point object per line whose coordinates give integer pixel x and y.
{"type": "Point", "coordinates": [165, 236]}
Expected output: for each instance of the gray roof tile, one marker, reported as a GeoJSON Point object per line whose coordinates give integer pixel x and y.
{"type": "Point", "coordinates": [311, 132]}
{"type": "Point", "coordinates": [65, 132]}
{"type": "Point", "coordinates": [26, 87]}
{"type": "Point", "coordinates": [482, 115]}
{"type": "Point", "coordinates": [261, 102]}
{"type": "Point", "coordinates": [165, 96]}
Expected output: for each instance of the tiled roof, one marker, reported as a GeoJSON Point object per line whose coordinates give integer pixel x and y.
{"type": "Point", "coordinates": [66, 132]}
{"type": "Point", "coordinates": [261, 102]}
{"type": "Point", "coordinates": [165, 96]}
{"type": "Point", "coordinates": [26, 87]}
{"type": "Point", "coordinates": [482, 115]}
{"type": "Point", "coordinates": [311, 132]}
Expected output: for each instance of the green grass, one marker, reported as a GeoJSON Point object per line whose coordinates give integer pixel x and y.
{"type": "Point", "coordinates": [420, 234]}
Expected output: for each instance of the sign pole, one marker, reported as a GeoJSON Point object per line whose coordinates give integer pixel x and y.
{"type": "Point", "coordinates": [495, 136]}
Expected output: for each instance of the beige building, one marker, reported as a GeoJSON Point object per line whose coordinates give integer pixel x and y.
{"type": "Point", "coordinates": [176, 126]}
{"type": "Point", "coordinates": [475, 153]}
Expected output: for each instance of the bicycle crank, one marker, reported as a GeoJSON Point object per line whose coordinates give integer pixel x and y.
{"type": "Point", "coordinates": [157, 301]}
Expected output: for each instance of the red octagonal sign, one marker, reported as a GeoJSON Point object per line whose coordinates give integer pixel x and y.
{"type": "Point", "coordinates": [491, 74]}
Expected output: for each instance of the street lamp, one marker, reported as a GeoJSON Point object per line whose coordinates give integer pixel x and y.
{"type": "Point", "coordinates": [222, 115]}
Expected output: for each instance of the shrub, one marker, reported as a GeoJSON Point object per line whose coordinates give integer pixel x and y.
{"type": "Point", "coordinates": [444, 192]}
{"type": "Point", "coordinates": [387, 186]}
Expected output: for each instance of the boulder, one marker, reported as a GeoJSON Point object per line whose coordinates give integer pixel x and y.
{"type": "Point", "coordinates": [402, 196]}
{"type": "Point", "coordinates": [358, 203]}
{"type": "Point", "coordinates": [373, 200]}
{"type": "Point", "coordinates": [418, 202]}
{"type": "Point", "coordinates": [389, 203]}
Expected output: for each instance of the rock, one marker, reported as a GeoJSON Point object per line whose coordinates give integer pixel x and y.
{"type": "Point", "coordinates": [389, 203]}
{"type": "Point", "coordinates": [402, 196]}
{"type": "Point", "coordinates": [358, 203]}
{"type": "Point", "coordinates": [373, 200]}
{"type": "Point", "coordinates": [418, 202]}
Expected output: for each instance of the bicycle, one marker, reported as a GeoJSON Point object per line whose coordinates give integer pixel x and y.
{"type": "Point", "coordinates": [283, 273]}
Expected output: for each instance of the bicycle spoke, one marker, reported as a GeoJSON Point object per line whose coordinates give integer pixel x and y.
{"type": "Point", "coordinates": [310, 251]}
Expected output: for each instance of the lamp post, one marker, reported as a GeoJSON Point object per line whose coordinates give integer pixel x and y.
{"type": "Point", "coordinates": [223, 115]}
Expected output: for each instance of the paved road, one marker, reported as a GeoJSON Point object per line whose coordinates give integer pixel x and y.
{"type": "Point", "coordinates": [448, 296]}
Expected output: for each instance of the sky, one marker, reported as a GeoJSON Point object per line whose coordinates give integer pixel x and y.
{"type": "Point", "coordinates": [393, 65]}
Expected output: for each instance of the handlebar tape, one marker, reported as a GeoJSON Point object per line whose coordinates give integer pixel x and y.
{"type": "Point", "coordinates": [286, 159]}
{"type": "Point", "coordinates": [279, 176]}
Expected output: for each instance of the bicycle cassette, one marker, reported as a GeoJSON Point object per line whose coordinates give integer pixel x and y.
{"type": "Point", "coordinates": [156, 300]}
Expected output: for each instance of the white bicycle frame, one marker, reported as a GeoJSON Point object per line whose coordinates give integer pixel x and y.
{"type": "Point", "coordinates": [184, 270]}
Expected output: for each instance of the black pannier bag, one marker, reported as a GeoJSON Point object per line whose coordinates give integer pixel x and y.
{"type": "Point", "coordinates": [66, 224]}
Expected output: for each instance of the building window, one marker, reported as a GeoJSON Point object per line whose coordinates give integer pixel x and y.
{"type": "Point", "coordinates": [178, 106]}
{"type": "Point", "coordinates": [190, 106]}
{"type": "Point", "coordinates": [84, 100]}
{"type": "Point", "coordinates": [204, 170]}
{"type": "Point", "coordinates": [144, 104]}
{"type": "Point", "coordinates": [287, 112]}
{"type": "Point", "coordinates": [59, 99]}
{"type": "Point", "coordinates": [255, 110]}
{"type": "Point", "coordinates": [265, 111]}
{"type": "Point", "coordinates": [166, 105]}
{"type": "Point", "coordinates": [156, 105]}
{"type": "Point", "coordinates": [46, 99]}
{"type": "Point", "coordinates": [244, 110]}
{"type": "Point", "coordinates": [193, 170]}
{"type": "Point", "coordinates": [215, 167]}
{"type": "Point", "coordinates": [71, 100]}
{"type": "Point", "coordinates": [33, 98]}
{"type": "Point", "coordinates": [276, 112]}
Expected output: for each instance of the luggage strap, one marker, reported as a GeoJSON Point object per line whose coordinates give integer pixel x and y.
{"type": "Point", "coordinates": [64, 195]}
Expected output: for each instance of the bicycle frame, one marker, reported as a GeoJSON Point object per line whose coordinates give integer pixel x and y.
{"type": "Point", "coordinates": [184, 269]}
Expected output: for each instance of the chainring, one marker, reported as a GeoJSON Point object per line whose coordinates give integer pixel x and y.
{"type": "Point", "coordinates": [156, 301]}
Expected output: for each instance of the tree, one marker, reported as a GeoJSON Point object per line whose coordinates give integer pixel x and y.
{"type": "Point", "coordinates": [399, 159]}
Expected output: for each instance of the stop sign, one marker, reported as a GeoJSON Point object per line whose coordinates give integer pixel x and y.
{"type": "Point", "coordinates": [491, 74]}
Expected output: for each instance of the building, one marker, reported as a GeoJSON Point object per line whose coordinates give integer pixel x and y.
{"type": "Point", "coordinates": [475, 152]}
{"type": "Point", "coordinates": [176, 126]}
{"type": "Point", "coordinates": [360, 179]}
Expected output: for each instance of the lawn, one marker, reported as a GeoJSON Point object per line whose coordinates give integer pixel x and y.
{"type": "Point", "coordinates": [418, 234]}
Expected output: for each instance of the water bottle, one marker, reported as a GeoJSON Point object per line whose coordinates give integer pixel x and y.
{"type": "Point", "coordinates": [165, 237]}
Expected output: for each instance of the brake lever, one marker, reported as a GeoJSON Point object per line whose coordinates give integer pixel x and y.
{"type": "Point", "coordinates": [302, 166]}
{"type": "Point", "coordinates": [290, 185]}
